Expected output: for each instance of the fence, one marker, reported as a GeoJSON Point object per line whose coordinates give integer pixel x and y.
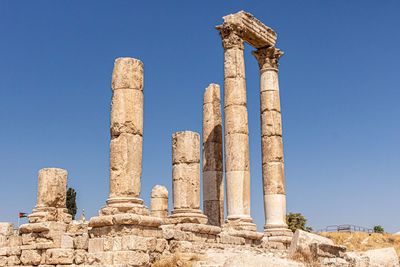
{"type": "Point", "coordinates": [349, 228]}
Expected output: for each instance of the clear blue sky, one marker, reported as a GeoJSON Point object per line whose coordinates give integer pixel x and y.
{"type": "Point", "coordinates": [339, 82]}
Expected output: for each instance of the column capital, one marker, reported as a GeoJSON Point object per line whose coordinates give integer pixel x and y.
{"type": "Point", "coordinates": [268, 57]}
{"type": "Point", "coordinates": [232, 36]}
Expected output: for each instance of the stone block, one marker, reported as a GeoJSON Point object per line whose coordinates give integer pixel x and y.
{"type": "Point", "coordinates": [125, 165]}
{"type": "Point", "coordinates": [270, 101]}
{"type": "Point", "coordinates": [235, 92]}
{"type": "Point", "coordinates": [59, 256]}
{"type": "Point", "coordinates": [13, 261]}
{"type": "Point", "coordinates": [327, 250]}
{"type": "Point", "coordinates": [127, 74]}
{"type": "Point", "coordinates": [100, 258]}
{"type": "Point", "coordinates": [67, 241]}
{"type": "Point", "coordinates": [234, 64]}
{"type": "Point", "coordinates": [127, 112]}
{"type": "Point", "coordinates": [212, 157]}
{"type": "Point", "coordinates": [81, 242]}
{"type": "Point", "coordinates": [131, 258]}
{"type": "Point", "coordinates": [52, 188]}
{"type": "Point", "coordinates": [303, 240]}
{"type": "Point", "coordinates": [237, 152]}
{"type": "Point", "coordinates": [6, 228]}
{"type": "Point", "coordinates": [133, 242]}
{"type": "Point", "coordinates": [30, 257]}
{"type": "Point", "coordinates": [275, 184]}
{"type": "Point", "coordinates": [236, 120]}
{"type": "Point", "coordinates": [373, 258]}
{"type": "Point", "coordinates": [80, 256]}
{"type": "Point", "coordinates": [96, 245]}
{"type": "Point", "coordinates": [272, 149]}
{"type": "Point", "coordinates": [185, 147]}
{"type": "Point", "coordinates": [271, 123]}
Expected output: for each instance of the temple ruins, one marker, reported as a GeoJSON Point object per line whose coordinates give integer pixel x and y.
{"type": "Point", "coordinates": [126, 232]}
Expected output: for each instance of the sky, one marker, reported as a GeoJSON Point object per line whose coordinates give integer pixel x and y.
{"type": "Point", "coordinates": [339, 82]}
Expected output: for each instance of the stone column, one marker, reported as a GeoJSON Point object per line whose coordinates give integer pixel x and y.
{"type": "Point", "coordinates": [271, 136]}
{"type": "Point", "coordinates": [237, 165]}
{"type": "Point", "coordinates": [186, 178]}
{"type": "Point", "coordinates": [159, 201]}
{"type": "Point", "coordinates": [213, 183]}
{"type": "Point", "coordinates": [126, 129]}
{"type": "Point", "coordinates": [51, 196]}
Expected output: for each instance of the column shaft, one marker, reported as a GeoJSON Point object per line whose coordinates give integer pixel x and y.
{"type": "Point", "coordinates": [186, 177]}
{"type": "Point", "coordinates": [271, 136]}
{"type": "Point", "coordinates": [126, 130]}
{"type": "Point", "coordinates": [237, 165]}
{"type": "Point", "coordinates": [213, 184]}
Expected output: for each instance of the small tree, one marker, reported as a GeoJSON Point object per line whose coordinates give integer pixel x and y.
{"type": "Point", "coordinates": [297, 221]}
{"type": "Point", "coordinates": [71, 202]}
{"type": "Point", "coordinates": [378, 229]}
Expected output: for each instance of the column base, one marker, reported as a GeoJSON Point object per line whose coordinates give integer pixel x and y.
{"type": "Point", "coordinates": [187, 216]}
{"type": "Point", "coordinates": [47, 214]}
{"type": "Point", "coordinates": [117, 205]}
{"type": "Point", "coordinates": [277, 236]}
{"type": "Point", "coordinates": [241, 222]}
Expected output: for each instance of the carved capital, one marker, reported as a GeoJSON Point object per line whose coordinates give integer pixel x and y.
{"type": "Point", "coordinates": [268, 57]}
{"type": "Point", "coordinates": [231, 36]}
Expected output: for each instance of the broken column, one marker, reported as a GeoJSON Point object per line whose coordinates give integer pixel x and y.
{"type": "Point", "coordinates": [51, 196]}
{"type": "Point", "coordinates": [237, 165]}
{"type": "Point", "coordinates": [186, 178]}
{"type": "Point", "coordinates": [126, 129]}
{"type": "Point", "coordinates": [213, 182]}
{"type": "Point", "coordinates": [272, 145]}
{"type": "Point", "coordinates": [159, 201]}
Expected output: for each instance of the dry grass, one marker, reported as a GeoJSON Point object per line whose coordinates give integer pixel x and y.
{"type": "Point", "coordinates": [362, 241]}
{"type": "Point", "coordinates": [305, 258]}
{"type": "Point", "coordinates": [174, 260]}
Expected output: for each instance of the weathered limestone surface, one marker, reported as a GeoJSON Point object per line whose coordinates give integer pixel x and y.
{"type": "Point", "coordinates": [237, 164]}
{"type": "Point", "coordinates": [126, 130]}
{"type": "Point", "coordinates": [272, 145]}
{"type": "Point", "coordinates": [186, 178]}
{"type": "Point", "coordinates": [213, 184]}
{"type": "Point", "coordinates": [302, 241]}
{"type": "Point", "coordinates": [374, 258]}
{"type": "Point", "coordinates": [159, 201]}
{"type": "Point", "coordinates": [251, 29]}
{"type": "Point", "coordinates": [51, 196]}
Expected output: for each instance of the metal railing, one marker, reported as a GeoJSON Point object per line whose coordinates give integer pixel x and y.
{"type": "Point", "coordinates": [349, 228]}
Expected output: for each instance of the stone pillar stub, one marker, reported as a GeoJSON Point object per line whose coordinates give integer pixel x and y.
{"type": "Point", "coordinates": [236, 133]}
{"type": "Point", "coordinates": [213, 183]}
{"type": "Point", "coordinates": [126, 131]}
{"type": "Point", "coordinates": [159, 201]}
{"type": "Point", "coordinates": [272, 145]}
{"type": "Point", "coordinates": [186, 178]}
{"type": "Point", "coordinates": [51, 196]}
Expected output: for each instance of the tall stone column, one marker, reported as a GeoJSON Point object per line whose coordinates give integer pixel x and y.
{"type": "Point", "coordinates": [186, 178]}
{"type": "Point", "coordinates": [237, 165]}
{"type": "Point", "coordinates": [126, 129]}
{"type": "Point", "coordinates": [213, 180]}
{"type": "Point", "coordinates": [272, 145]}
{"type": "Point", "coordinates": [51, 196]}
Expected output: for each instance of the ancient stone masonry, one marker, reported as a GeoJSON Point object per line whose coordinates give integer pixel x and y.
{"type": "Point", "coordinates": [159, 201]}
{"type": "Point", "coordinates": [127, 233]}
{"type": "Point", "coordinates": [272, 146]}
{"type": "Point", "coordinates": [126, 135]}
{"type": "Point", "coordinates": [186, 178]}
{"type": "Point", "coordinates": [213, 183]}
